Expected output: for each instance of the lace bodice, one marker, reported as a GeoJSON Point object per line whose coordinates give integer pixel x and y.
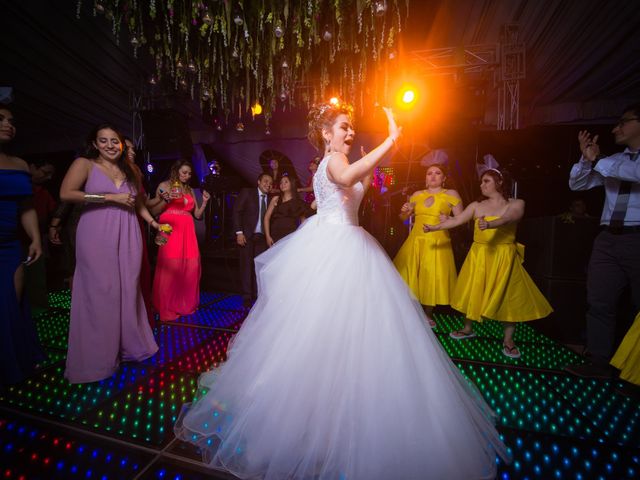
{"type": "Point", "coordinates": [336, 204]}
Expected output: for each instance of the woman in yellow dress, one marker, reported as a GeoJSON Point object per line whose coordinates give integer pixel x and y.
{"type": "Point", "coordinates": [627, 359]}
{"type": "Point", "coordinates": [492, 283]}
{"type": "Point", "coordinates": [425, 260]}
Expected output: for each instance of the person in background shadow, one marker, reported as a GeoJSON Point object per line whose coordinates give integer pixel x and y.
{"type": "Point", "coordinates": [615, 258]}
{"type": "Point", "coordinates": [577, 209]}
{"type": "Point", "coordinates": [36, 277]}
{"type": "Point", "coordinates": [249, 210]}
{"type": "Point", "coordinates": [285, 212]}
{"type": "Point", "coordinates": [145, 271]}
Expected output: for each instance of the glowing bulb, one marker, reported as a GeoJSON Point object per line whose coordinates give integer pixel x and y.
{"type": "Point", "coordinates": [256, 109]}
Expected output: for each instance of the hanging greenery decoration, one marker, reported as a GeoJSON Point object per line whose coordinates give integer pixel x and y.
{"type": "Point", "coordinates": [278, 53]}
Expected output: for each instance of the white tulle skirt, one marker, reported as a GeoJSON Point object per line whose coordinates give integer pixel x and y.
{"type": "Point", "coordinates": [335, 375]}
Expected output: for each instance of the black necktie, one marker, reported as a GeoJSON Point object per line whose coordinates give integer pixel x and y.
{"type": "Point", "coordinates": [622, 200]}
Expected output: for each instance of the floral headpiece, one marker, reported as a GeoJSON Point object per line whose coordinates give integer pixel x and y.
{"type": "Point", "coordinates": [490, 163]}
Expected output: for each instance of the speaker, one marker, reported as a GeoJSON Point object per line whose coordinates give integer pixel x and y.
{"type": "Point", "coordinates": [166, 134]}
{"type": "Point", "coordinates": [568, 297]}
{"type": "Point", "coordinates": [557, 247]}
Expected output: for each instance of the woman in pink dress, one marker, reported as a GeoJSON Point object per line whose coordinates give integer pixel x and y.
{"type": "Point", "coordinates": [176, 285]}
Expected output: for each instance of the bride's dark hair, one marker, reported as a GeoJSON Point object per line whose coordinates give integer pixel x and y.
{"type": "Point", "coordinates": [322, 116]}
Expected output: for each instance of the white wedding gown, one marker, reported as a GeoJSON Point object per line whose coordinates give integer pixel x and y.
{"type": "Point", "coordinates": [335, 374]}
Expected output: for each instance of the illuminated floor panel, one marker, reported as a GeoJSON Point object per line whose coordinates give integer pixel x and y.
{"type": "Point", "coordinates": [210, 297]}
{"type": "Point", "coordinates": [614, 414]}
{"type": "Point", "coordinates": [146, 412]}
{"type": "Point", "coordinates": [174, 341]}
{"type": "Point", "coordinates": [534, 355]}
{"type": "Point", "coordinates": [215, 316]}
{"type": "Point", "coordinates": [539, 456]}
{"type": "Point", "coordinates": [48, 393]}
{"type": "Point", "coordinates": [32, 450]}
{"type": "Point", "coordinates": [52, 327]}
{"type": "Point", "coordinates": [557, 426]}
{"type": "Point", "coordinates": [208, 355]}
{"type": "Point", "coordinates": [525, 400]}
{"type": "Point", "coordinates": [172, 470]}
{"type": "Point", "coordinates": [61, 299]}
{"type": "Point", "coordinates": [447, 322]}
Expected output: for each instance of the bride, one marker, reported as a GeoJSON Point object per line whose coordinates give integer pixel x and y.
{"type": "Point", "coordinates": [333, 374]}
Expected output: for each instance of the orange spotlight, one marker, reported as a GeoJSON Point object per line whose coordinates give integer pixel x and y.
{"type": "Point", "coordinates": [406, 97]}
{"type": "Point", "coordinates": [334, 101]}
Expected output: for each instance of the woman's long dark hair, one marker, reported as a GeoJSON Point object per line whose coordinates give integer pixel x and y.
{"type": "Point", "coordinates": [130, 170]}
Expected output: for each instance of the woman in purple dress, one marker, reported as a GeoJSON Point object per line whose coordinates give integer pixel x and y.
{"type": "Point", "coordinates": [108, 317]}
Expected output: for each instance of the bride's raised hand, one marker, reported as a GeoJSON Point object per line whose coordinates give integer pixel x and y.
{"type": "Point", "coordinates": [395, 132]}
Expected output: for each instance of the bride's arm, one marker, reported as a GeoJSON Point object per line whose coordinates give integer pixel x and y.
{"type": "Point", "coordinates": [347, 175]}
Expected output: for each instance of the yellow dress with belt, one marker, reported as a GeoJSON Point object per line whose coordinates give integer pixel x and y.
{"type": "Point", "coordinates": [627, 357]}
{"type": "Point", "coordinates": [493, 284]}
{"type": "Point", "coordinates": [425, 260]}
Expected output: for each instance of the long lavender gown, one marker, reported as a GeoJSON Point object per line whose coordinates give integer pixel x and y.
{"type": "Point", "coordinates": [108, 318]}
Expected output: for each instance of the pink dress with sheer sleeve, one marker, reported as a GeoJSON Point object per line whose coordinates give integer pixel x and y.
{"type": "Point", "coordinates": [176, 285]}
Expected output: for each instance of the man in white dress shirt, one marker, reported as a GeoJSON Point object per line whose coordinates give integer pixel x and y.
{"type": "Point", "coordinates": [615, 259]}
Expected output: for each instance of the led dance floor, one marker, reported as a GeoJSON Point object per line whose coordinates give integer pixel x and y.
{"type": "Point", "coordinates": [557, 426]}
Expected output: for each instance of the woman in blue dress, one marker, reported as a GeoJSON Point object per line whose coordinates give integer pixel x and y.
{"type": "Point", "coordinates": [19, 348]}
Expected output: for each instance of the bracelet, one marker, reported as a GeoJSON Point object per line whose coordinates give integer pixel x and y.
{"type": "Point", "coordinates": [93, 198]}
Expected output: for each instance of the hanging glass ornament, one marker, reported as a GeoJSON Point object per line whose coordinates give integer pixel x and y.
{"type": "Point", "coordinates": [237, 19]}
{"type": "Point", "coordinates": [153, 80]}
{"type": "Point", "coordinates": [285, 64]}
{"type": "Point", "coordinates": [207, 19]}
{"type": "Point", "coordinates": [99, 7]}
{"type": "Point", "coordinates": [191, 67]}
{"type": "Point", "coordinates": [327, 35]}
{"type": "Point", "coordinates": [134, 42]}
{"type": "Point", "coordinates": [240, 127]}
{"type": "Point", "coordinates": [380, 7]}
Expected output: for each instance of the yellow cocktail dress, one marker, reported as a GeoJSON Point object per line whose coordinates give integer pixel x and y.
{"type": "Point", "coordinates": [493, 284]}
{"type": "Point", "coordinates": [627, 357]}
{"type": "Point", "coordinates": [425, 260]}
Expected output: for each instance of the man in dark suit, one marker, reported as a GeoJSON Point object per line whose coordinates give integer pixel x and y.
{"type": "Point", "coordinates": [248, 223]}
